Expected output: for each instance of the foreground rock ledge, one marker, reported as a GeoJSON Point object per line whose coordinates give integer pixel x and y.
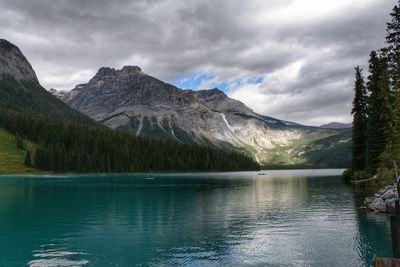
{"type": "Point", "coordinates": [383, 200]}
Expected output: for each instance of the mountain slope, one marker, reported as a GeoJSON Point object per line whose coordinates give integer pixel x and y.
{"type": "Point", "coordinates": [130, 100]}
{"type": "Point", "coordinates": [68, 141]}
{"type": "Point", "coordinates": [21, 91]}
{"type": "Point", "coordinates": [336, 125]}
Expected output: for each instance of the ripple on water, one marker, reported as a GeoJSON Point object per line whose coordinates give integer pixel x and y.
{"type": "Point", "coordinates": [51, 255]}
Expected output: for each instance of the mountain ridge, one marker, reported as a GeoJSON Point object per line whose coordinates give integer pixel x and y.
{"type": "Point", "coordinates": [336, 125]}
{"type": "Point", "coordinates": [130, 100]}
{"type": "Point", "coordinates": [65, 140]}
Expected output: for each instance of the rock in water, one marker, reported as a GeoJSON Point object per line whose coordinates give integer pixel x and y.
{"type": "Point", "coordinates": [379, 205]}
{"type": "Point", "coordinates": [368, 202]}
{"type": "Point", "coordinates": [390, 204]}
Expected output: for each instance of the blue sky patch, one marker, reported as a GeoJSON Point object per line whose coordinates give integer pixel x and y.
{"type": "Point", "coordinates": [194, 82]}
{"type": "Point", "coordinates": [256, 80]}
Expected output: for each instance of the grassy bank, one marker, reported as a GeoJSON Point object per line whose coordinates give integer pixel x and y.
{"type": "Point", "coordinates": [11, 158]}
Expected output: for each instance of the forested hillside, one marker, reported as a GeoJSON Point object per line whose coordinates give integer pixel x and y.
{"type": "Point", "coordinates": [67, 147]}
{"type": "Point", "coordinates": [29, 97]}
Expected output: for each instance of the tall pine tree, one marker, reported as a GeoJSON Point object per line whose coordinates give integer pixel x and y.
{"type": "Point", "coordinates": [392, 53]}
{"type": "Point", "coordinates": [376, 132]}
{"type": "Point", "coordinates": [28, 159]}
{"type": "Point", "coordinates": [359, 113]}
{"type": "Point", "coordinates": [392, 50]}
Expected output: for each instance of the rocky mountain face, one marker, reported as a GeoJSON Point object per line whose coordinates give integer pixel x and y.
{"type": "Point", "coordinates": [130, 100]}
{"type": "Point", "coordinates": [14, 63]}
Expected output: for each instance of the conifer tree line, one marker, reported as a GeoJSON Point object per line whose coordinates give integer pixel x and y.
{"type": "Point", "coordinates": [69, 147]}
{"type": "Point", "coordinates": [376, 107]}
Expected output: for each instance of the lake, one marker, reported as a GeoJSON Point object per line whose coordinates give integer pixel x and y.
{"type": "Point", "coordinates": [283, 218]}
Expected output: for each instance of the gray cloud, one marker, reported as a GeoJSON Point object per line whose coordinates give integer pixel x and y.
{"type": "Point", "coordinates": [305, 49]}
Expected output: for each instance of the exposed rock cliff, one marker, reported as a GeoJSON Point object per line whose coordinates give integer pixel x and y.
{"type": "Point", "coordinates": [14, 63]}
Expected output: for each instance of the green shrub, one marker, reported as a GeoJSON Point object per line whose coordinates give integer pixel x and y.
{"type": "Point", "coordinates": [348, 174]}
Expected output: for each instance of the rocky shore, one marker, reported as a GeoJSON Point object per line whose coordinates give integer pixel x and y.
{"type": "Point", "coordinates": [383, 200]}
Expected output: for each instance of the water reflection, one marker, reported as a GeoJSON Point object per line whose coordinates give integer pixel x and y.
{"type": "Point", "coordinates": [228, 219]}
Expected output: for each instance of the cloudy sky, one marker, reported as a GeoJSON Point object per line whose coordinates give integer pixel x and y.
{"type": "Point", "coordinates": [290, 59]}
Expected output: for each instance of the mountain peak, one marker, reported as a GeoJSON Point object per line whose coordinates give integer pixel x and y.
{"type": "Point", "coordinates": [104, 72]}
{"type": "Point", "coordinates": [107, 72]}
{"type": "Point", "coordinates": [211, 92]}
{"type": "Point", "coordinates": [14, 63]}
{"type": "Point", "coordinates": [130, 69]}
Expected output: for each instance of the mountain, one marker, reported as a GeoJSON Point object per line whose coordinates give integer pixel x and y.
{"type": "Point", "coordinates": [20, 89]}
{"type": "Point", "coordinates": [130, 100]}
{"type": "Point", "coordinates": [61, 139]}
{"type": "Point", "coordinates": [14, 63]}
{"type": "Point", "coordinates": [336, 125]}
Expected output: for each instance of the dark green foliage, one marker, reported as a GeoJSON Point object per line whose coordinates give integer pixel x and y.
{"type": "Point", "coordinates": [359, 113]}
{"type": "Point", "coordinates": [28, 159]}
{"type": "Point", "coordinates": [392, 50]}
{"type": "Point", "coordinates": [66, 147]}
{"type": "Point", "coordinates": [30, 97]}
{"type": "Point", "coordinates": [386, 112]}
{"type": "Point", "coordinates": [19, 142]}
{"type": "Point", "coordinates": [379, 111]}
{"type": "Point", "coordinates": [392, 54]}
{"type": "Point", "coordinates": [383, 106]}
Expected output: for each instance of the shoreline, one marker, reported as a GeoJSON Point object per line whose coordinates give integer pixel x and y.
{"type": "Point", "coordinates": [267, 172]}
{"type": "Point", "coordinates": [382, 201]}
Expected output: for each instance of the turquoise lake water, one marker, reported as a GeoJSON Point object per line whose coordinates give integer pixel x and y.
{"type": "Point", "coordinates": [283, 218]}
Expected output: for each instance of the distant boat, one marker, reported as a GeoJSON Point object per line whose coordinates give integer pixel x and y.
{"type": "Point", "coordinates": [262, 173]}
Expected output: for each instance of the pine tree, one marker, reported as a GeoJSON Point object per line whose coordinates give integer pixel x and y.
{"type": "Point", "coordinates": [376, 140]}
{"type": "Point", "coordinates": [392, 53]}
{"type": "Point", "coordinates": [359, 113]}
{"type": "Point", "coordinates": [19, 142]}
{"type": "Point", "coordinates": [386, 112]}
{"type": "Point", "coordinates": [28, 159]}
{"type": "Point", "coordinates": [385, 165]}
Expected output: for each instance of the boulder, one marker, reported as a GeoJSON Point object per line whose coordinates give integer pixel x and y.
{"type": "Point", "coordinates": [390, 204]}
{"type": "Point", "coordinates": [368, 201]}
{"type": "Point", "coordinates": [389, 194]}
{"type": "Point", "coordinates": [379, 205]}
